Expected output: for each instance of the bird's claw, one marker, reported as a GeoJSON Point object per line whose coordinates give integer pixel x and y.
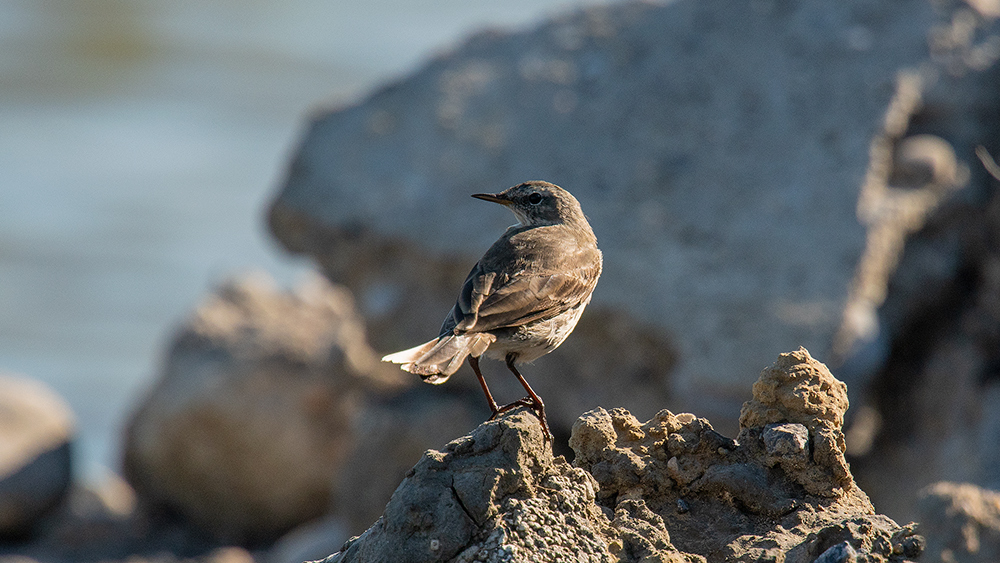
{"type": "Point", "coordinates": [530, 403]}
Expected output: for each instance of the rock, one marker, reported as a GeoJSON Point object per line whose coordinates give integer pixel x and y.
{"type": "Point", "coordinates": [786, 441]}
{"type": "Point", "coordinates": [230, 554]}
{"type": "Point", "coordinates": [840, 553]}
{"type": "Point", "coordinates": [726, 202]}
{"type": "Point", "coordinates": [675, 458]}
{"type": "Point", "coordinates": [99, 521]}
{"type": "Point", "coordinates": [252, 415]}
{"type": "Point", "coordinates": [800, 390]}
{"type": "Point", "coordinates": [671, 489]}
{"type": "Point", "coordinates": [961, 522]}
{"type": "Point", "coordinates": [36, 430]}
{"type": "Point", "coordinates": [497, 494]}
{"type": "Point", "coordinates": [642, 535]}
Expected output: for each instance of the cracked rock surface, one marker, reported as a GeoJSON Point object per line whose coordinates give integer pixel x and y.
{"type": "Point", "coordinates": [670, 489]}
{"type": "Point", "coordinates": [494, 495]}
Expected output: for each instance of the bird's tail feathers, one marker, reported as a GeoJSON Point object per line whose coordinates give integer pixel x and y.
{"type": "Point", "coordinates": [436, 360]}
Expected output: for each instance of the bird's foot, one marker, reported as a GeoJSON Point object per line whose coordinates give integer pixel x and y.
{"type": "Point", "coordinates": [525, 402]}
{"type": "Point", "coordinates": [538, 407]}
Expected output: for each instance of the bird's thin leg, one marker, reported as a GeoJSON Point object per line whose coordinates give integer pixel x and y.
{"type": "Point", "coordinates": [535, 401]}
{"type": "Point", "coordinates": [474, 362]}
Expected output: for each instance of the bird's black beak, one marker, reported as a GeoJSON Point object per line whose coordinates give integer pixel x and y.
{"type": "Point", "coordinates": [495, 198]}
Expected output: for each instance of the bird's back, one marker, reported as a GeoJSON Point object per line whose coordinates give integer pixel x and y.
{"type": "Point", "coordinates": [530, 274]}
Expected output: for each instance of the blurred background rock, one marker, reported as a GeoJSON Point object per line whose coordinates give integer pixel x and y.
{"type": "Point", "coordinates": [810, 178]}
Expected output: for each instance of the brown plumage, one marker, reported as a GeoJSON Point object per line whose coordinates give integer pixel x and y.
{"type": "Point", "coordinates": [523, 297]}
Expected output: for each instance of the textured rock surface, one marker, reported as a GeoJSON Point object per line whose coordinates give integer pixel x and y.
{"type": "Point", "coordinates": [740, 187]}
{"type": "Point", "coordinates": [36, 429]}
{"type": "Point", "coordinates": [253, 413]}
{"type": "Point", "coordinates": [495, 495]}
{"type": "Point", "coordinates": [775, 501]}
{"type": "Point", "coordinates": [671, 489]}
{"type": "Point", "coordinates": [961, 522]}
{"type": "Point", "coordinates": [798, 391]}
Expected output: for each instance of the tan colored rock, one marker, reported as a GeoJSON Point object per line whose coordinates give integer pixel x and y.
{"type": "Point", "coordinates": [800, 390]}
{"type": "Point", "coordinates": [252, 415]}
{"type": "Point", "coordinates": [36, 429]}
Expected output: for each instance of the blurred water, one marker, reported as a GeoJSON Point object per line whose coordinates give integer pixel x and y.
{"type": "Point", "coordinates": [140, 141]}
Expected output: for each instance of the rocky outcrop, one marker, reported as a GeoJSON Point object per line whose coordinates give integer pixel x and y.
{"type": "Point", "coordinates": [253, 413]}
{"type": "Point", "coordinates": [741, 210]}
{"type": "Point", "coordinates": [670, 489]}
{"type": "Point", "coordinates": [36, 430]}
{"type": "Point", "coordinates": [495, 493]}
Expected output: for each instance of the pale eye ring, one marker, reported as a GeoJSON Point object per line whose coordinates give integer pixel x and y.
{"type": "Point", "coordinates": [535, 198]}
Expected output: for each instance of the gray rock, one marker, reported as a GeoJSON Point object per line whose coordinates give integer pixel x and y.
{"type": "Point", "coordinates": [934, 357]}
{"type": "Point", "coordinates": [498, 494]}
{"type": "Point", "coordinates": [718, 148]}
{"type": "Point", "coordinates": [36, 430]}
{"type": "Point", "coordinates": [931, 356]}
{"type": "Point", "coordinates": [843, 552]}
{"type": "Point", "coordinates": [495, 495]}
{"type": "Point", "coordinates": [253, 414]}
{"type": "Point", "coordinates": [786, 440]}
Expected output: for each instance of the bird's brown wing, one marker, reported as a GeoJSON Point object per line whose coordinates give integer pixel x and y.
{"type": "Point", "coordinates": [478, 284]}
{"type": "Point", "coordinates": [525, 298]}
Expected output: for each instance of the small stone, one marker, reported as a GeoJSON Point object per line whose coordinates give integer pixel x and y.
{"type": "Point", "coordinates": [673, 466]}
{"type": "Point", "coordinates": [842, 552]}
{"type": "Point", "coordinates": [913, 546]}
{"type": "Point", "coordinates": [785, 439]}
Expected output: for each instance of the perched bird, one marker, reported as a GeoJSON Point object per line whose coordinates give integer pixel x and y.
{"type": "Point", "coordinates": [523, 297]}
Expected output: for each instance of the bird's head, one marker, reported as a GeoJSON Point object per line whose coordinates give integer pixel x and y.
{"type": "Point", "coordinates": [538, 203]}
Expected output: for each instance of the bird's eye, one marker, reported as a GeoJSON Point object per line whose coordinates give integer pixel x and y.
{"type": "Point", "coordinates": [535, 198]}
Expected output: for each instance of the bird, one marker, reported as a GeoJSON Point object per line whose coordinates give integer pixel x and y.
{"type": "Point", "coordinates": [522, 299]}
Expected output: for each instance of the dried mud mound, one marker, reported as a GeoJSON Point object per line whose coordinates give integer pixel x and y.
{"type": "Point", "coordinates": [671, 489]}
